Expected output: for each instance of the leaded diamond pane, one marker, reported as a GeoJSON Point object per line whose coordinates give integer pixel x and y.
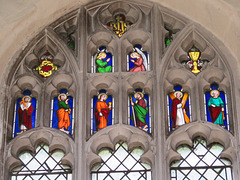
{"type": "Point", "coordinates": [42, 165]}
{"type": "Point", "coordinates": [121, 164]}
{"type": "Point", "coordinates": [201, 162]}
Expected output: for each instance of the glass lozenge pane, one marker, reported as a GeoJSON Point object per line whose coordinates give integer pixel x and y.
{"type": "Point", "coordinates": [113, 163]}
{"type": "Point", "coordinates": [51, 163]}
{"type": "Point", "coordinates": [25, 157]}
{"type": "Point", "coordinates": [129, 162]}
{"type": "Point", "coordinates": [200, 150]}
{"type": "Point", "coordinates": [210, 174]}
{"type": "Point", "coordinates": [33, 165]}
{"type": "Point", "coordinates": [41, 156]}
{"type": "Point", "coordinates": [192, 159]}
{"type": "Point", "coordinates": [209, 158]}
{"type": "Point", "coordinates": [121, 153]}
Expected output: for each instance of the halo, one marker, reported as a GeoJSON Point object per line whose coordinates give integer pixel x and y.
{"type": "Point", "coordinates": [178, 92]}
{"type": "Point", "coordinates": [101, 53]}
{"type": "Point", "coordinates": [103, 94]}
{"type": "Point", "coordinates": [28, 97]}
{"type": "Point", "coordinates": [213, 91]}
{"type": "Point", "coordinates": [138, 93]}
{"type": "Point", "coordinates": [134, 53]}
{"type": "Point", "coordinates": [62, 94]}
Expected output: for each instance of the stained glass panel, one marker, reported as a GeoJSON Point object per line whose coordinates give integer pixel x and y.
{"type": "Point", "coordinates": [62, 112]}
{"type": "Point", "coordinates": [102, 111]}
{"type": "Point", "coordinates": [216, 106]}
{"type": "Point", "coordinates": [179, 111]}
{"type": "Point", "coordinates": [102, 61]}
{"type": "Point", "coordinates": [138, 60]}
{"type": "Point", "coordinates": [139, 110]}
{"type": "Point", "coordinates": [24, 114]}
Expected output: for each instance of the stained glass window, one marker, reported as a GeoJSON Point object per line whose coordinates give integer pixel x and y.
{"type": "Point", "coordinates": [138, 60]}
{"type": "Point", "coordinates": [179, 111]}
{"type": "Point", "coordinates": [42, 165]}
{"type": "Point", "coordinates": [102, 111]}
{"type": "Point", "coordinates": [201, 162]}
{"type": "Point", "coordinates": [62, 112]}
{"type": "Point", "coordinates": [139, 113]}
{"type": "Point", "coordinates": [121, 164]}
{"type": "Point", "coordinates": [24, 114]}
{"type": "Point", "coordinates": [216, 107]}
{"type": "Point", "coordinates": [102, 61]}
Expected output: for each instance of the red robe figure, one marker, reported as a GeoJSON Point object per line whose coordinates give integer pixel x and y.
{"type": "Point", "coordinates": [138, 64]}
{"type": "Point", "coordinates": [178, 109]}
{"type": "Point", "coordinates": [25, 111]}
{"type": "Point", "coordinates": [102, 110]}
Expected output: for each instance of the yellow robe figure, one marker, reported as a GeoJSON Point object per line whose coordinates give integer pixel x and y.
{"type": "Point", "coordinates": [63, 115]}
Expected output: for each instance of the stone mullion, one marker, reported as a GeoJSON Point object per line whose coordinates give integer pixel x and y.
{"type": "Point", "coordinates": [157, 96]}
{"type": "Point", "coordinates": [80, 170]}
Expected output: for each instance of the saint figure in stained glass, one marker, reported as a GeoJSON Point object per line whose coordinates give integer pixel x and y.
{"type": "Point", "coordinates": [139, 109]}
{"type": "Point", "coordinates": [102, 111]}
{"type": "Point", "coordinates": [62, 112]}
{"type": "Point", "coordinates": [103, 60]}
{"type": "Point", "coordinates": [138, 60]}
{"type": "Point", "coordinates": [25, 114]}
{"type": "Point", "coordinates": [215, 106]}
{"type": "Point", "coordinates": [179, 108]}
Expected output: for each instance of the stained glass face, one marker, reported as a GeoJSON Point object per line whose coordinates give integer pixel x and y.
{"type": "Point", "coordinates": [179, 108]}
{"type": "Point", "coordinates": [102, 111]}
{"type": "Point", "coordinates": [138, 60]}
{"type": "Point", "coordinates": [121, 164]}
{"type": "Point", "coordinates": [139, 110]}
{"type": "Point", "coordinates": [216, 107]}
{"type": "Point", "coordinates": [24, 114]}
{"type": "Point", "coordinates": [62, 112]}
{"type": "Point", "coordinates": [42, 165]}
{"type": "Point", "coordinates": [102, 61]}
{"type": "Point", "coordinates": [201, 162]}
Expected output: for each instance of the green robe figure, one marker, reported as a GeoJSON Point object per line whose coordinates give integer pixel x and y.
{"type": "Point", "coordinates": [102, 65]}
{"type": "Point", "coordinates": [216, 108]}
{"type": "Point", "coordinates": [140, 111]}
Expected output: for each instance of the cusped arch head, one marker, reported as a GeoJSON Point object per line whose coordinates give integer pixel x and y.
{"type": "Point", "coordinates": [23, 83]}
{"type": "Point", "coordinates": [102, 82]}
{"type": "Point", "coordinates": [99, 39]}
{"type": "Point", "coordinates": [108, 137]}
{"type": "Point", "coordinates": [209, 131]}
{"type": "Point", "coordinates": [32, 138]}
{"type": "Point", "coordinates": [136, 81]}
{"type": "Point", "coordinates": [177, 56]}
